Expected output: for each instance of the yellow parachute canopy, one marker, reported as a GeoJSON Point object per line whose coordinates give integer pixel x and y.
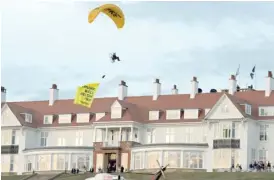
{"type": "Point", "coordinates": [113, 11]}
{"type": "Point", "coordinates": [85, 94]}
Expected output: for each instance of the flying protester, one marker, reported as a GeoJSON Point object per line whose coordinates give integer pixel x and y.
{"type": "Point", "coordinates": [114, 57]}
{"type": "Point", "coordinates": [112, 11]}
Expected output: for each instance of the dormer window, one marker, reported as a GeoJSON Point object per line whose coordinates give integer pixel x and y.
{"type": "Point", "coordinates": [64, 118]}
{"type": "Point", "coordinates": [116, 112]}
{"type": "Point", "coordinates": [153, 115]}
{"type": "Point", "coordinates": [191, 113]}
{"type": "Point", "coordinates": [248, 109]}
{"type": "Point", "coordinates": [28, 118]}
{"type": "Point", "coordinates": [48, 119]}
{"type": "Point", "coordinates": [173, 114]}
{"type": "Point", "coordinates": [83, 118]}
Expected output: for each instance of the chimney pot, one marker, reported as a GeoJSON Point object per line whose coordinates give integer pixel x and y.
{"type": "Point", "coordinates": [194, 88]}
{"type": "Point", "coordinates": [3, 89]}
{"type": "Point", "coordinates": [270, 74]}
{"type": "Point", "coordinates": [53, 94]}
{"type": "Point", "coordinates": [122, 90]}
{"type": "Point", "coordinates": [54, 86]}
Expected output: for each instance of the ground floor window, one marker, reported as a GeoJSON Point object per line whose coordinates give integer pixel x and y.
{"type": "Point", "coordinates": [152, 157]}
{"type": "Point", "coordinates": [60, 161]}
{"type": "Point", "coordinates": [137, 160]}
{"type": "Point", "coordinates": [173, 158]}
{"type": "Point", "coordinates": [29, 163]}
{"type": "Point", "coordinates": [263, 155]}
{"type": "Point", "coordinates": [81, 161]}
{"type": "Point", "coordinates": [193, 160]}
{"type": "Point", "coordinates": [44, 162]}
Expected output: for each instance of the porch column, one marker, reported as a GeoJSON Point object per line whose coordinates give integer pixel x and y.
{"type": "Point", "coordinates": [69, 162]}
{"type": "Point", "coordinates": [94, 134]}
{"type": "Point", "coordinates": [139, 135]}
{"type": "Point", "coordinates": [51, 159]}
{"type": "Point", "coordinates": [182, 159]}
{"type": "Point", "coordinates": [106, 137]}
{"type": "Point", "coordinates": [35, 162]}
{"type": "Point", "coordinates": [131, 133]}
{"type": "Point", "coordinates": [161, 160]}
{"type": "Point", "coordinates": [144, 160]}
{"type": "Point", "coordinates": [120, 134]}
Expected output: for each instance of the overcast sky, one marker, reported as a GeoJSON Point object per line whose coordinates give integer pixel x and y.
{"type": "Point", "coordinates": [45, 43]}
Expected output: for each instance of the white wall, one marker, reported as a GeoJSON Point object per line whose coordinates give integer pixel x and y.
{"type": "Point", "coordinates": [69, 136]}
{"type": "Point", "coordinates": [32, 138]}
{"type": "Point", "coordinates": [182, 133]}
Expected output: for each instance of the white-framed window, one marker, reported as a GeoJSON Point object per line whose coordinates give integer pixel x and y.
{"type": "Point", "coordinates": [226, 131]}
{"type": "Point", "coordinates": [233, 135]}
{"type": "Point", "coordinates": [225, 109]}
{"type": "Point", "coordinates": [173, 158]}
{"type": "Point", "coordinates": [253, 154]}
{"type": "Point", "coordinates": [150, 136]}
{"type": "Point", "coordinates": [46, 120]}
{"type": "Point", "coordinates": [44, 137]}
{"type": "Point", "coordinates": [11, 163]}
{"type": "Point", "coordinates": [61, 141]}
{"type": "Point", "coordinates": [248, 109]}
{"type": "Point", "coordinates": [262, 111]}
{"type": "Point", "coordinates": [79, 138]}
{"type": "Point", "coordinates": [188, 135]}
{"type": "Point", "coordinates": [28, 118]}
{"type": "Point", "coordinates": [264, 132]}
{"type": "Point", "coordinates": [13, 137]}
{"type": "Point", "coordinates": [263, 155]}
{"type": "Point", "coordinates": [137, 160]}
{"type": "Point", "coordinates": [170, 135]}
{"type": "Point", "coordinates": [193, 160]}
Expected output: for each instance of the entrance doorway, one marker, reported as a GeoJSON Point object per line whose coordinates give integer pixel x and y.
{"type": "Point", "coordinates": [111, 160]}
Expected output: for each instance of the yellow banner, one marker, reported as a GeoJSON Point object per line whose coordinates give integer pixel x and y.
{"type": "Point", "coordinates": [85, 94]}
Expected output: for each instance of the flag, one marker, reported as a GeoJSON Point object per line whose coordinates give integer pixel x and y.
{"type": "Point", "coordinates": [85, 94]}
{"type": "Point", "coordinates": [252, 72]}
{"type": "Point", "coordinates": [238, 71]}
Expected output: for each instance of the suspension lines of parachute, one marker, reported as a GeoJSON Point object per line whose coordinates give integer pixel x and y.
{"type": "Point", "coordinates": [86, 93]}
{"type": "Point", "coordinates": [112, 11]}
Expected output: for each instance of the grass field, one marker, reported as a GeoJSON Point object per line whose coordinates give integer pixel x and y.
{"type": "Point", "coordinates": [187, 176]}
{"type": "Point", "coordinates": [14, 177]}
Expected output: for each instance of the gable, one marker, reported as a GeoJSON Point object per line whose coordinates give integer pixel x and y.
{"type": "Point", "coordinates": [224, 109]}
{"type": "Point", "coordinates": [8, 118]}
{"type": "Point", "coordinates": [116, 110]}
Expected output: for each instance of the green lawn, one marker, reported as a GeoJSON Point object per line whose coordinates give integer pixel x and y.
{"type": "Point", "coordinates": [187, 176]}
{"type": "Point", "coordinates": [13, 177]}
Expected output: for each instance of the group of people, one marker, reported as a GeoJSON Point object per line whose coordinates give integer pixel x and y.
{"type": "Point", "coordinates": [76, 170]}
{"type": "Point", "coordinates": [112, 168]}
{"type": "Point", "coordinates": [237, 168]}
{"type": "Point", "coordinates": [260, 166]}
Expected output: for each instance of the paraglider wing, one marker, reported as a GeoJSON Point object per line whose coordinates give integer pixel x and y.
{"type": "Point", "coordinates": [112, 11]}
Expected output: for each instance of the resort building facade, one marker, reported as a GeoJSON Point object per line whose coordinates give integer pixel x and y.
{"type": "Point", "coordinates": [198, 130]}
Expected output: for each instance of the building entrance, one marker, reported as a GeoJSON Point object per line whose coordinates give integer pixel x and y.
{"type": "Point", "coordinates": [111, 159]}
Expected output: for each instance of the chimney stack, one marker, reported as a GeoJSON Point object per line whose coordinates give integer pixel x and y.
{"type": "Point", "coordinates": [194, 87]}
{"type": "Point", "coordinates": [269, 84]}
{"type": "Point", "coordinates": [156, 89]}
{"type": "Point", "coordinates": [122, 90]}
{"type": "Point", "coordinates": [232, 85]}
{"type": "Point", "coordinates": [174, 90]}
{"type": "Point", "coordinates": [53, 94]}
{"type": "Point", "coordinates": [3, 94]}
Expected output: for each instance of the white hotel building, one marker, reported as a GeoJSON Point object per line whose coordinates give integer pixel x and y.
{"type": "Point", "coordinates": [203, 131]}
